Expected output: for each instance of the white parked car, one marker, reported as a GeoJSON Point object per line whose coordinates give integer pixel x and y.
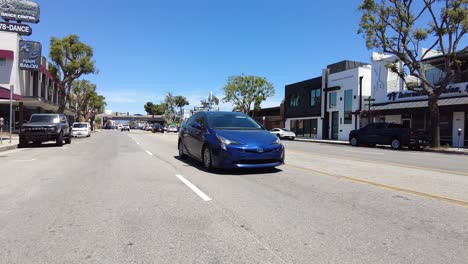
{"type": "Point", "coordinates": [172, 129]}
{"type": "Point", "coordinates": [81, 129]}
{"type": "Point", "coordinates": [283, 133]}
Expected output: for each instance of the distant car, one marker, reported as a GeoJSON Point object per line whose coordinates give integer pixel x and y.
{"type": "Point", "coordinates": [148, 128]}
{"type": "Point", "coordinates": [172, 129]}
{"type": "Point", "coordinates": [229, 140]}
{"type": "Point", "coordinates": [389, 134]}
{"type": "Point", "coordinates": [119, 127]}
{"type": "Point", "coordinates": [125, 128]}
{"type": "Point", "coordinates": [157, 128]}
{"type": "Point", "coordinates": [283, 133]}
{"type": "Point", "coordinates": [81, 129]}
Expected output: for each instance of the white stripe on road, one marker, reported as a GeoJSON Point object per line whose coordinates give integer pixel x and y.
{"type": "Point", "coordinates": [194, 188]}
{"type": "Point", "coordinates": [149, 153]}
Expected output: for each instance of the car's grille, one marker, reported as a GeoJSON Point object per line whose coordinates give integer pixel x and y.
{"type": "Point", "coordinates": [256, 150]}
{"type": "Point", "coordinates": [258, 161]}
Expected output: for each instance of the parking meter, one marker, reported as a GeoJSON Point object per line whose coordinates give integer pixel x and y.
{"type": "Point", "coordinates": [2, 122]}
{"type": "Point", "coordinates": [459, 132]}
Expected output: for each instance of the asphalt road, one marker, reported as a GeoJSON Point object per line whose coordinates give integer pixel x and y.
{"type": "Point", "coordinates": [121, 197]}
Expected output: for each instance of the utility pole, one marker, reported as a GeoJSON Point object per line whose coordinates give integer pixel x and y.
{"type": "Point", "coordinates": [11, 109]}
{"type": "Point", "coordinates": [369, 116]}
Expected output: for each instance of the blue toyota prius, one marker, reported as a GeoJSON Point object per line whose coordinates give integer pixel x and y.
{"type": "Point", "coordinates": [229, 140]}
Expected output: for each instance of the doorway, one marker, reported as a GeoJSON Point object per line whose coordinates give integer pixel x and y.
{"type": "Point", "coordinates": [335, 125]}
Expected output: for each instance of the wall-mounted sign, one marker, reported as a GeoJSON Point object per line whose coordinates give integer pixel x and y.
{"type": "Point", "coordinates": [29, 55]}
{"type": "Point", "coordinates": [20, 10]}
{"type": "Point", "coordinates": [452, 90]}
{"type": "Point", "coordinates": [16, 28]}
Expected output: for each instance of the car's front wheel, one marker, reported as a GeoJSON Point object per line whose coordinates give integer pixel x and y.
{"type": "Point", "coordinates": [68, 139]}
{"type": "Point", "coordinates": [207, 159]}
{"type": "Point", "coordinates": [354, 142]}
{"type": "Point", "coordinates": [59, 140]}
{"type": "Point", "coordinates": [22, 142]}
{"type": "Point", "coordinates": [182, 155]}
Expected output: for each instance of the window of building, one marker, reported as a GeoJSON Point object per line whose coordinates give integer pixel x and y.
{"type": "Point", "coordinates": [2, 62]}
{"type": "Point", "coordinates": [315, 97]}
{"type": "Point", "coordinates": [294, 100]}
{"type": "Point", "coordinates": [348, 107]}
{"type": "Point", "coordinates": [332, 100]}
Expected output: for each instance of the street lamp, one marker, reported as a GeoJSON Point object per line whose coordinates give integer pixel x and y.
{"type": "Point", "coordinates": [11, 108]}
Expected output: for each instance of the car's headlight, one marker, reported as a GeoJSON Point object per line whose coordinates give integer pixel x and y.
{"type": "Point", "coordinates": [277, 142]}
{"type": "Point", "coordinates": [224, 142]}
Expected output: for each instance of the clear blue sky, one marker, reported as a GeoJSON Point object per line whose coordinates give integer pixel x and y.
{"type": "Point", "coordinates": [144, 49]}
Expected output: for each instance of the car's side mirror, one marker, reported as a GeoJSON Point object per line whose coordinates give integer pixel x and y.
{"type": "Point", "coordinates": [197, 125]}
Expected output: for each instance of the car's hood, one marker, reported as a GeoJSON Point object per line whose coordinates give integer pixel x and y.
{"type": "Point", "coordinates": [39, 124]}
{"type": "Point", "coordinates": [249, 137]}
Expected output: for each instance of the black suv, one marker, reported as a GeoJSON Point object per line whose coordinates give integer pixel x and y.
{"type": "Point", "coordinates": [45, 127]}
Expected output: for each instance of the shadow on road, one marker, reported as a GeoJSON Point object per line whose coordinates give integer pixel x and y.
{"type": "Point", "coordinates": [189, 162]}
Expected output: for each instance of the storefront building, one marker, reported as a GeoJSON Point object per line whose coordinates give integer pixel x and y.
{"type": "Point", "coordinates": [33, 91]}
{"type": "Point", "coordinates": [348, 84]}
{"type": "Point", "coordinates": [303, 108]}
{"type": "Point", "coordinates": [270, 118]}
{"type": "Point", "coordinates": [395, 103]}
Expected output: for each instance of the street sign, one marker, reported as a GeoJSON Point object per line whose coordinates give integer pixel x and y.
{"type": "Point", "coordinates": [21, 29]}
{"type": "Point", "coordinates": [20, 10]}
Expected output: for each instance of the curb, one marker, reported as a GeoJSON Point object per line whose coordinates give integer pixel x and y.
{"type": "Point", "coordinates": [6, 148]}
{"type": "Point", "coordinates": [449, 152]}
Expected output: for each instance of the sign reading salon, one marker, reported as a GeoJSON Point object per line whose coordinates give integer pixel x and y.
{"type": "Point", "coordinates": [29, 55]}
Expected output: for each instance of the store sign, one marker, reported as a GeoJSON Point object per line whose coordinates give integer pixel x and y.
{"type": "Point", "coordinates": [451, 91]}
{"type": "Point", "coordinates": [21, 29]}
{"type": "Point", "coordinates": [20, 10]}
{"type": "Point", "coordinates": [29, 55]}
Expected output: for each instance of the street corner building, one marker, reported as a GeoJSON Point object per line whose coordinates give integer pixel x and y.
{"type": "Point", "coordinates": [34, 90]}
{"type": "Point", "coordinates": [329, 106]}
{"type": "Point", "coordinates": [396, 104]}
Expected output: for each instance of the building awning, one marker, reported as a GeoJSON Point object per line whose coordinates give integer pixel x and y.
{"type": "Point", "coordinates": [44, 70]}
{"type": "Point", "coordinates": [7, 54]}
{"type": "Point", "coordinates": [421, 104]}
{"type": "Point", "coordinates": [5, 94]}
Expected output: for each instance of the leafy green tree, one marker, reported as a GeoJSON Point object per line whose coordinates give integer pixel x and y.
{"type": "Point", "coordinates": [245, 92]}
{"type": "Point", "coordinates": [180, 101]}
{"type": "Point", "coordinates": [208, 103]}
{"type": "Point", "coordinates": [96, 106]}
{"type": "Point", "coordinates": [154, 109]}
{"type": "Point", "coordinates": [71, 59]}
{"type": "Point", "coordinates": [170, 113]}
{"type": "Point", "coordinates": [399, 27]}
{"type": "Point", "coordinates": [82, 92]}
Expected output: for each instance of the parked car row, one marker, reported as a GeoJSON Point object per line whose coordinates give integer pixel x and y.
{"type": "Point", "coordinates": [51, 127]}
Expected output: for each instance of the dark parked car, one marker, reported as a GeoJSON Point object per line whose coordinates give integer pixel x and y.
{"type": "Point", "coordinates": [229, 140]}
{"type": "Point", "coordinates": [45, 127]}
{"type": "Point", "coordinates": [157, 128]}
{"type": "Point", "coordinates": [389, 134]}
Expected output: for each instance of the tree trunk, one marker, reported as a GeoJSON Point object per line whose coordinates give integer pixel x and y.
{"type": "Point", "coordinates": [61, 101]}
{"type": "Point", "coordinates": [435, 121]}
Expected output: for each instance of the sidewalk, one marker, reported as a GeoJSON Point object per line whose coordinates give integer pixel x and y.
{"type": "Point", "coordinates": [6, 142]}
{"type": "Point", "coordinates": [461, 151]}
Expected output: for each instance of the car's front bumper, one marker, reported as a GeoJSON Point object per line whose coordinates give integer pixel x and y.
{"type": "Point", "coordinates": [49, 136]}
{"type": "Point", "coordinates": [239, 157]}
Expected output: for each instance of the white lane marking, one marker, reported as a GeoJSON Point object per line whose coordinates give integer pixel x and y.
{"type": "Point", "coordinates": [365, 152]}
{"type": "Point", "coordinates": [25, 160]}
{"type": "Point", "coordinates": [194, 188]}
{"type": "Point", "coordinates": [149, 153]}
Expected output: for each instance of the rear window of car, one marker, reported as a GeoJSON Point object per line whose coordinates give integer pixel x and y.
{"type": "Point", "coordinates": [80, 125]}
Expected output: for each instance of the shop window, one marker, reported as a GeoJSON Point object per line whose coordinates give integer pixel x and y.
{"type": "Point", "coordinates": [294, 100]}
{"type": "Point", "coordinates": [2, 62]}
{"type": "Point", "coordinates": [332, 100]}
{"type": "Point", "coordinates": [315, 97]}
{"type": "Point", "coordinates": [348, 107]}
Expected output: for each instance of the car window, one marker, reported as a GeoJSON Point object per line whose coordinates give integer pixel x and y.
{"type": "Point", "coordinates": [232, 121]}
{"type": "Point", "coordinates": [275, 130]}
{"type": "Point", "coordinates": [381, 125]}
{"type": "Point", "coordinates": [80, 125]}
{"type": "Point", "coordinates": [44, 118]}
{"type": "Point", "coordinates": [192, 119]}
{"type": "Point", "coordinates": [393, 125]}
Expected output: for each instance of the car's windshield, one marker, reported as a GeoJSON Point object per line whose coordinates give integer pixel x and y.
{"type": "Point", "coordinates": [229, 121]}
{"type": "Point", "coordinates": [45, 119]}
{"type": "Point", "coordinates": [80, 125]}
